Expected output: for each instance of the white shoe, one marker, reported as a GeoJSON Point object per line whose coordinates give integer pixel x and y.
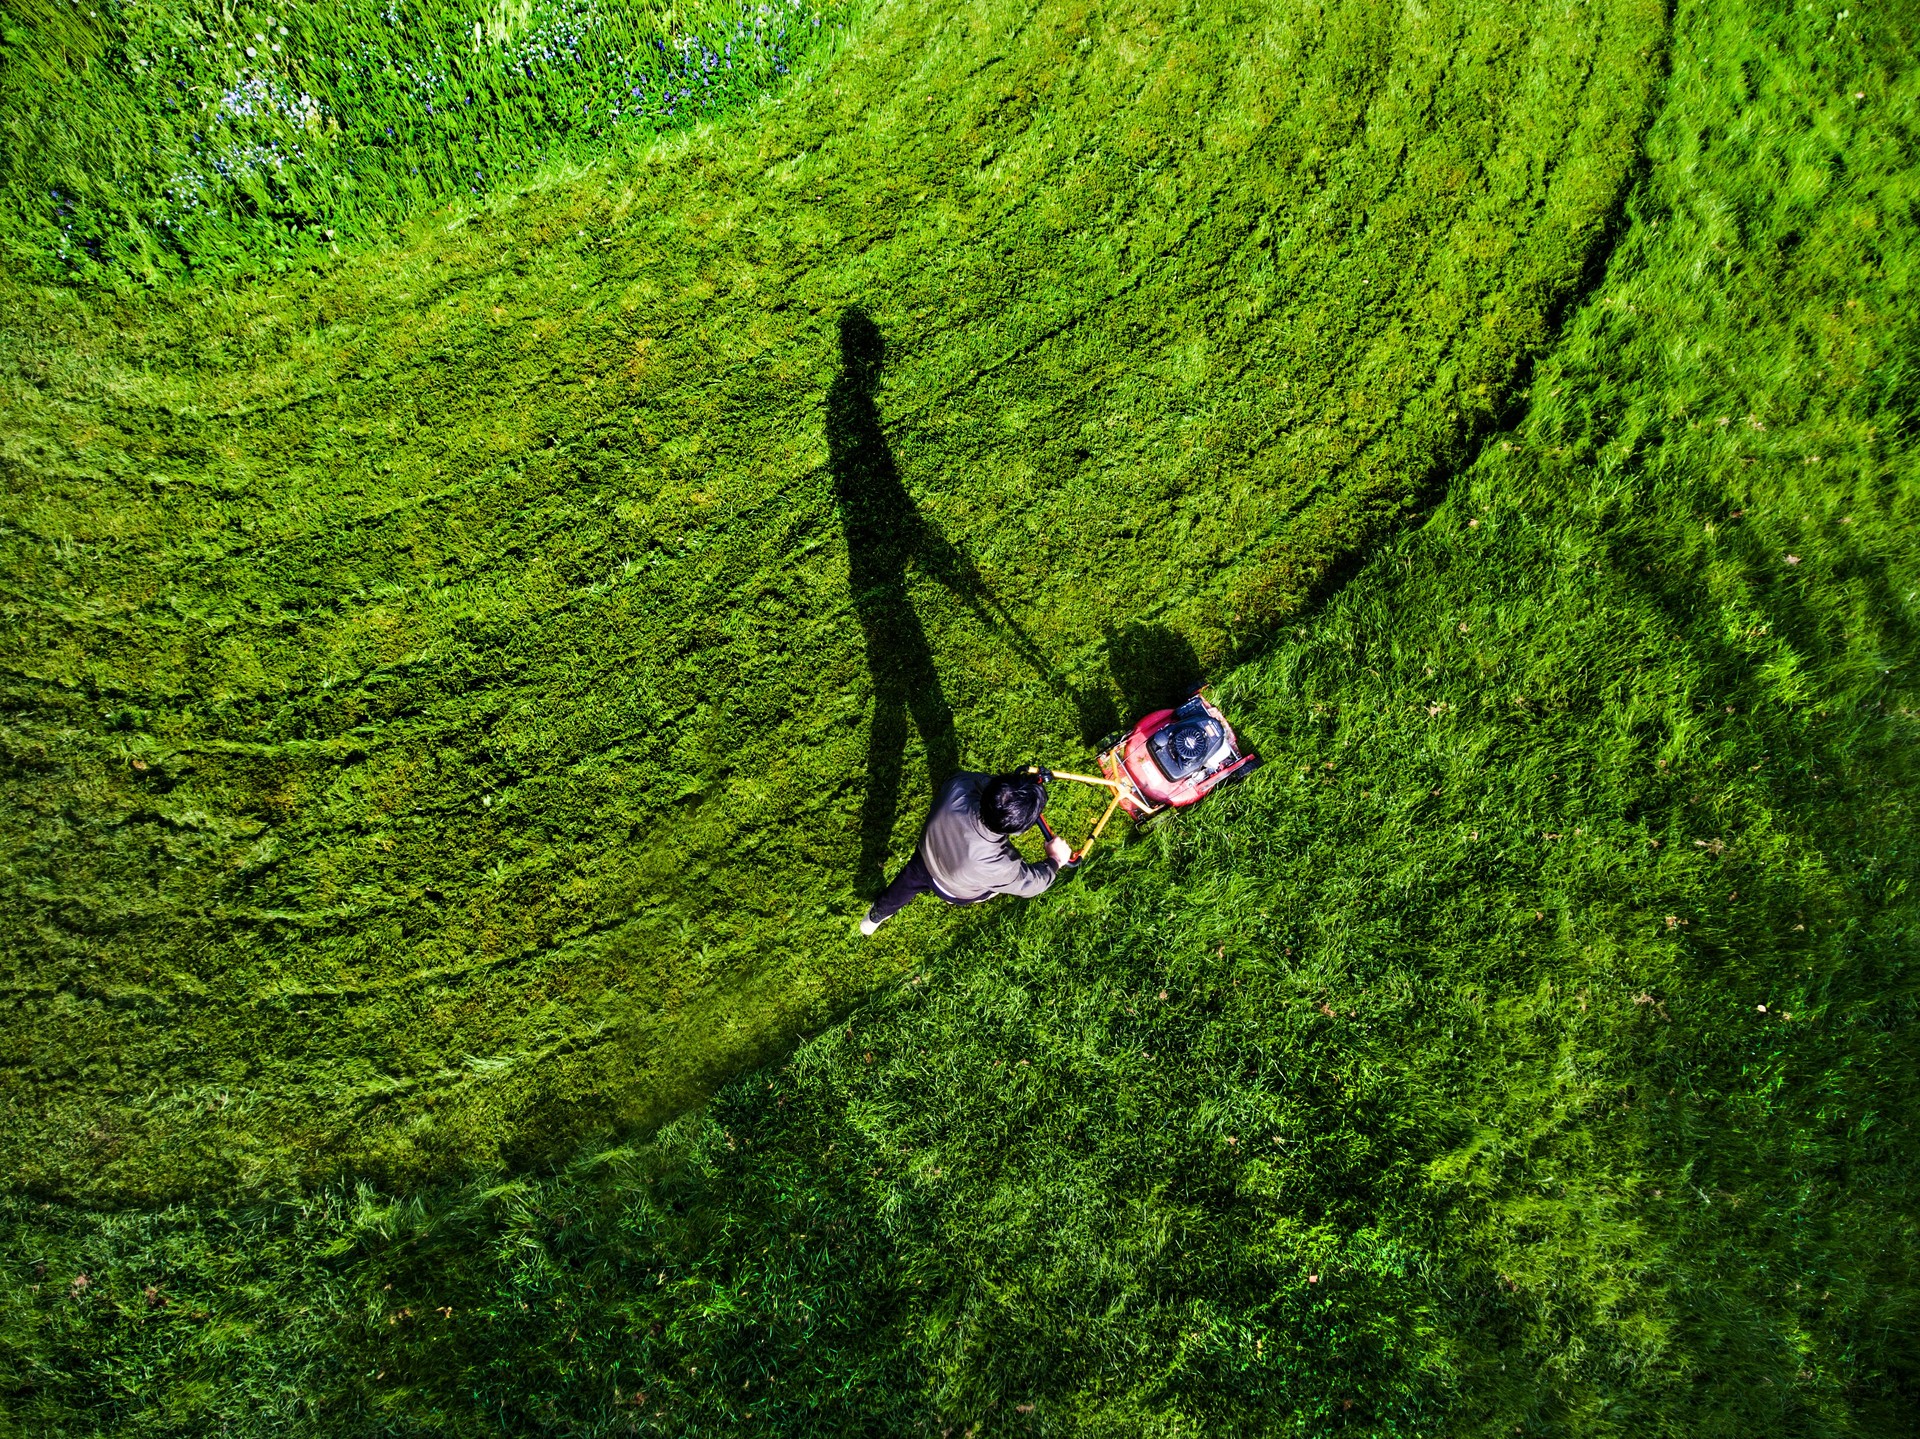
{"type": "Point", "coordinates": [869, 924]}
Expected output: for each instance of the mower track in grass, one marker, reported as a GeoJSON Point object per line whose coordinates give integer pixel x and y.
{"type": "Point", "coordinates": [439, 721]}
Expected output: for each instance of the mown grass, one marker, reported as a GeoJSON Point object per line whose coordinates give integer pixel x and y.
{"type": "Point", "coordinates": [1526, 1049]}
{"type": "Point", "coordinates": [440, 723]}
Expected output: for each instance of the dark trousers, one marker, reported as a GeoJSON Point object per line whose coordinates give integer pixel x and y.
{"type": "Point", "coordinates": [908, 885]}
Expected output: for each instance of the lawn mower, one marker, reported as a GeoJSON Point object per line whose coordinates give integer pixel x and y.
{"type": "Point", "coordinates": [1169, 760]}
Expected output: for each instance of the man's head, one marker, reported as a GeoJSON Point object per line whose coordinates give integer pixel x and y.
{"type": "Point", "coordinates": [1011, 803]}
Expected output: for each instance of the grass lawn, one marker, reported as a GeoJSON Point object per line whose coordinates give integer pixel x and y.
{"type": "Point", "coordinates": [460, 694]}
{"type": "Point", "coordinates": [1526, 1049]}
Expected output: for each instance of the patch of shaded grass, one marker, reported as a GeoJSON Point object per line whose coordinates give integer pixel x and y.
{"type": "Point", "coordinates": [440, 717]}
{"type": "Point", "coordinates": [1527, 1048]}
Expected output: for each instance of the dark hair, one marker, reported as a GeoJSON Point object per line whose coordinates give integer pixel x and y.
{"type": "Point", "coordinates": [1011, 803]}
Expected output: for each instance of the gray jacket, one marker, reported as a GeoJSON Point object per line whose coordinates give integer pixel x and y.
{"type": "Point", "coordinates": [968, 861]}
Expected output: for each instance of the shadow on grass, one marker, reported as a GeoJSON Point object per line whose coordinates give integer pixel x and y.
{"type": "Point", "coordinates": [1154, 667]}
{"type": "Point", "coordinates": [885, 534]}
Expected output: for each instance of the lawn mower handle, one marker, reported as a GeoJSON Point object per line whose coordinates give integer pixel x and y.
{"type": "Point", "coordinates": [1046, 832]}
{"type": "Point", "coordinates": [1045, 775]}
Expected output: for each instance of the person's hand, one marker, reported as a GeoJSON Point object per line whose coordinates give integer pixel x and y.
{"type": "Point", "coordinates": [1058, 850]}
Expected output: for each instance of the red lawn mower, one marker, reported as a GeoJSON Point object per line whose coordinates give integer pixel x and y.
{"type": "Point", "coordinates": [1171, 759]}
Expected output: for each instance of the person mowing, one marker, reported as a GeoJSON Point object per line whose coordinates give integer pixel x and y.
{"type": "Point", "coordinates": [966, 852]}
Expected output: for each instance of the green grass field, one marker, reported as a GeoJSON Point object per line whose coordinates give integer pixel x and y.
{"type": "Point", "coordinates": [459, 698]}
{"type": "Point", "coordinates": [442, 735]}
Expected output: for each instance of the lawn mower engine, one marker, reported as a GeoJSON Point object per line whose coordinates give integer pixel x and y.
{"type": "Point", "coordinates": [1174, 758]}
{"type": "Point", "coordinates": [1171, 759]}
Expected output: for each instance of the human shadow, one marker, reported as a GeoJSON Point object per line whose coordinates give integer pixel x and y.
{"type": "Point", "coordinates": [885, 533]}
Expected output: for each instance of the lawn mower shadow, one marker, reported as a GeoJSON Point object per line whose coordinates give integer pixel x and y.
{"type": "Point", "coordinates": [1154, 668]}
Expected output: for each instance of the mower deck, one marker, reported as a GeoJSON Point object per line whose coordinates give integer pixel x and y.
{"type": "Point", "coordinates": [1171, 759]}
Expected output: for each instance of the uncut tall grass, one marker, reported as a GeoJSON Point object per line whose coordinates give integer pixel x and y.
{"type": "Point", "coordinates": [147, 140]}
